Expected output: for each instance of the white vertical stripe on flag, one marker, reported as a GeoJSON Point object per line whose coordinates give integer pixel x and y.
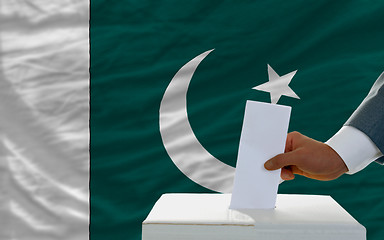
{"type": "Point", "coordinates": [44, 119]}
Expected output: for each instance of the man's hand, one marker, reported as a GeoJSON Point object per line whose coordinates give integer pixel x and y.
{"type": "Point", "coordinates": [308, 157]}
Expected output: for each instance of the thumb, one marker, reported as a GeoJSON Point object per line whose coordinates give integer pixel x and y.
{"type": "Point", "coordinates": [281, 160]}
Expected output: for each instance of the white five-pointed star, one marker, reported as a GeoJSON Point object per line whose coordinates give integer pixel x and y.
{"type": "Point", "coordinates": [277, 85]}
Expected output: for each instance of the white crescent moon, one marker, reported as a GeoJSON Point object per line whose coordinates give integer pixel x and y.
{"type": "Point", "coordinates": [180, 141]}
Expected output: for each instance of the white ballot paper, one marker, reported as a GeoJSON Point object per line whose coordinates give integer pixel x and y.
{"type": "Point", "coordinates": [263, 136]}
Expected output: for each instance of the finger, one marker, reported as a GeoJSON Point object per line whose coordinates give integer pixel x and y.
{"type": "Point", "coordinates": [281, 160]}
{"type": "Point", "coordinates": [296, 170]}
{"type": "Point", "coordinates": [288, 143]}
{"type": "Point", "coordinates": [291, 138]}
{"type": "Point", "coordinates": [286, 174]}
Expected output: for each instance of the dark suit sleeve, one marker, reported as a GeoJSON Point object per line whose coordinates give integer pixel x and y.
{"type": "Point", "coordinates": [369, 116]}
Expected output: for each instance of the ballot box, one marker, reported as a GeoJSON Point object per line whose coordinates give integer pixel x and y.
{"type": "Point", "coordinates": [208, 217]}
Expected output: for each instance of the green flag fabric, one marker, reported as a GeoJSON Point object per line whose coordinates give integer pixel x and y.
{"type": "Point", "coordinates": [138, 46]}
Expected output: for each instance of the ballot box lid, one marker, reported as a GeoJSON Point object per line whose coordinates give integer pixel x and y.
{"type": "Point", "coordinates": [300, 212]}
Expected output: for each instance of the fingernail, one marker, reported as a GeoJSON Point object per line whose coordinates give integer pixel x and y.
{"type": "Point", "coordinates": [268, 165]}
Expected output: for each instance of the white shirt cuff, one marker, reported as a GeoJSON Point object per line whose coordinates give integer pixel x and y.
{"type": "Point", "coordinates": [355, 148]}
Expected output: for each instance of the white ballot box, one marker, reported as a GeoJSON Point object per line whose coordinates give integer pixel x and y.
{"type": "Point", "coordinates": [208, 217]}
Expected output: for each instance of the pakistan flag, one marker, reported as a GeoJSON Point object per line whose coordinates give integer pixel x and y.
{"type": "Point", "coordinates": [115, 83]}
